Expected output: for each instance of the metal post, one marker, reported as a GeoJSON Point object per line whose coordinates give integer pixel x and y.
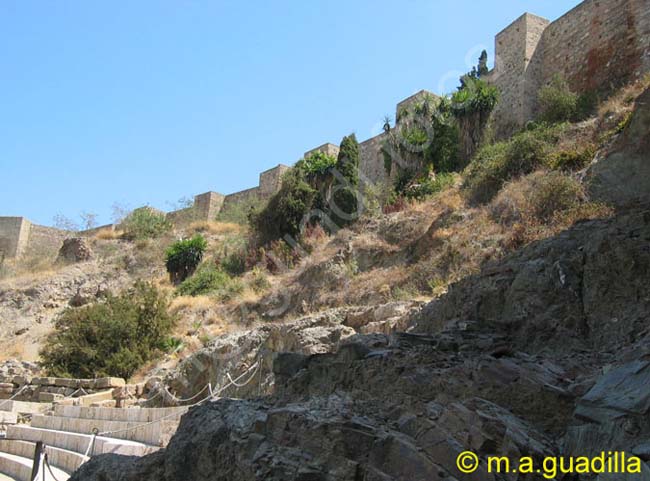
{"type": "Point", "coordinates": [38, 454]}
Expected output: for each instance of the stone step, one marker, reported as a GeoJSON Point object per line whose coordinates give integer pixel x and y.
{"type": "Point", "coordinates": [24, 407]}
{"type": "Point", "coordinates": [8, 417]}
{"type": "Point", "coordinates": [20, 468]}
{"type": "Point", "coordinates": [4, 477]}
{"type": "Point", "coordinates": [79, 442]}
{"type": "Point", "coordinates": [68, 461]}
{"type": "Point", "coordinates": [156, 434]}
{"type": "Point", "coordinates": [135, 415]}
{"type": "Point", "coordinates": [97, 397]}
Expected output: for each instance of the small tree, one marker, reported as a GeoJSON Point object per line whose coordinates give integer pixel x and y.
{"type": "Point", "coordinates": [183, 257]}
{"type": "Point", "coordinates": [344, 200]}
{"type": "Point", "coordinates": [111, 338]}
{"type": "Point", "coordinates": [285, 211]}
{"type": "Point", "coordinates": [482, 64]}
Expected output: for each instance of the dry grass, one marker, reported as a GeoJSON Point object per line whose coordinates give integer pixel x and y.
{"type": "Point", "coordinates": [540, 205]}
{"type": "Point", "coordinates": [108, 234]}
{"type": "Point", "coordinates": [191, 303]}
{"type": "Point", "coordinates": [216, 228]}
{"type": "Point", "coordinates": [16, 350]}
{"type": "Point", "coordinates": [623, 100]}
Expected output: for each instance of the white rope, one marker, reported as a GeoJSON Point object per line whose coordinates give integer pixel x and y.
{"type": "Point", "coordinates": [187, 408]}
{"type": "Point", "coordinates": [234, 383]}
{"type": "Point", "coordinates": [15, 395]}
{"type": "Point", "coordinates": [91, 445]}
{"type": "Point", "coordinates": [179, 400]}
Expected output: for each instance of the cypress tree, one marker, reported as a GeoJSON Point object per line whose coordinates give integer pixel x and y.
{"type": "Point", "coordinates": [343, 203]}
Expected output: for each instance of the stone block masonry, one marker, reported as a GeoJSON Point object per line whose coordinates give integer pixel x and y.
{"type": "Point", "coordinates": [597, 46]}
{"type": "Point", "coordinates": [14, 236]}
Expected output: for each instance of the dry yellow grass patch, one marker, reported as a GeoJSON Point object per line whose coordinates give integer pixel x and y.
{"type": "Point", "coordinates": [216, 228]}
{"type": "Point", "coordinates": [16, 350]}
{"type": "Point", "coordinates": [623, 99]}
{"type": "Point", "coordinates": [193, 303]}
{"type": "Point", "coordinates": [108, 234]}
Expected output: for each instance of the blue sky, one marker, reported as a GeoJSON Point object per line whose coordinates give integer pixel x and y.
{"type": "Point", "coordinates": [148, 101]}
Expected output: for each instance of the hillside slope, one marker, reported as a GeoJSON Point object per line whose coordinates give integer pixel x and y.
{"type": "Point", "coordinates": [540, 351]}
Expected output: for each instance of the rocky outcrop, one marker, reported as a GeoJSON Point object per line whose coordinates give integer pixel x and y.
{"type": "Point", "coordinates": [75, 249]}
{"type": "Point", "coordinates": [544, 353]}
{"type": "Point", "coordinates": [587, 288]}
{"type": "Point", "coordinates": [233, 354]}
{"type": "Point", "coordinates": [622, 175]}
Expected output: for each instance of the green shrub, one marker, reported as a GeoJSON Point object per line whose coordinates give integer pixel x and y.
{"type": "Point", "coordinates": [343, 206]}
{"type": "Point", "coordinates": [555, 192]}
{"type": "Point", "coordinates": [573, 158]}
{"type": "Point", "coordinates": [232, 255]}
{"type": "Point", "coordinates": [239, 212]}
{"type": "Point", "coordinates": [498, 163]}
{"type": "Point", "coordinates": [183, 257]}
{"type": "Point", "coordinates": [317, 164]}
{"type": "Point", "coordinates": [557, 103]}
{"type": "Point", "coordinates": [285, 210]}
{"type": "Point", "coordinates": [111, 338]}
{"type": "Point", "coordinates": [144, 223]}
{"type": "Point", "coordinates": [210, 280]}
{"type": "Point", "coordinates": [429, 186]}
{"type": "Point", "coordinates": [474, 96]}
{"type": "Point", "coordinates": [443, 154]}
{"type": "Point", "coordinates": [537, 198]}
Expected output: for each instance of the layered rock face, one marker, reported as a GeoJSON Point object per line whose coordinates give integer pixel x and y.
{"type": "Point", "coordinates": [544, 353]}
{"type": "Point", "coordinates": [622, 176]}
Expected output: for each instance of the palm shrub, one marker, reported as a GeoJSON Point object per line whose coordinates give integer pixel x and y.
{"type": "Point", "coordinates": [183, 257]}
{"type": "Point", "coordinates": [111, 338]}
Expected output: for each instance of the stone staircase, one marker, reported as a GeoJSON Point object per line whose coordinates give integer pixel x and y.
{"type": "Point", "coordinates": [66, 432]}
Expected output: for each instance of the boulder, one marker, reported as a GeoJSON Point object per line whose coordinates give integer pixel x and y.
{"type": "Point", "coordinates": [75, 249]}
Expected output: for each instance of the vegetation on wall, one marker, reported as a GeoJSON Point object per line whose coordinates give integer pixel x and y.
{"type": "Point", "coordinates": [145, 223]}
{"type": "Point", "coordinates": [110, 338]}
{"type": "Point", "coordinates": [558, 103]}
{"type": "Point", "coordinates": [343, 206]}
{"type": "Point", "coordinates": [183, 257]}
{"type": "Point", "coordinates": [285, 210]}
{"type": "Point", "coordinates": [495, 164]}
{"type": "Point", "coordinates": [472, 105]}
{"type": "Point", "coordinates": [320, 183]}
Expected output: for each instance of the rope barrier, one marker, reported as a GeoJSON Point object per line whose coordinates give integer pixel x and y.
{"type": "Point", "coordinates": [180, 413]}
{"type": "Point", "coordinates": [91, 444]}
{"type": "Point", "coordinates": [49, 468]}
{"type": "Point", "coordinates": [242, 384]}
{"type": "Point", "coordinates": [14, 396]}
{"type": "Point", "coordinates": [179, 400]}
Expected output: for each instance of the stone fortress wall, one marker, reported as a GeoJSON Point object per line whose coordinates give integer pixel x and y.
{"type": "Point", "coordinates": [596, 46]}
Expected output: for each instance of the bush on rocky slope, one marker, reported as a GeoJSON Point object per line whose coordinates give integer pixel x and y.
{"type": "Point", "coordinates": [110, 338]}
{"type": "Point", "coordinates": [183, 257]}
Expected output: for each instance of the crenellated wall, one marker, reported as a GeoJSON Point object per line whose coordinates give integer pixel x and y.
{"type": "Point", "coordinates": [597, 46]}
